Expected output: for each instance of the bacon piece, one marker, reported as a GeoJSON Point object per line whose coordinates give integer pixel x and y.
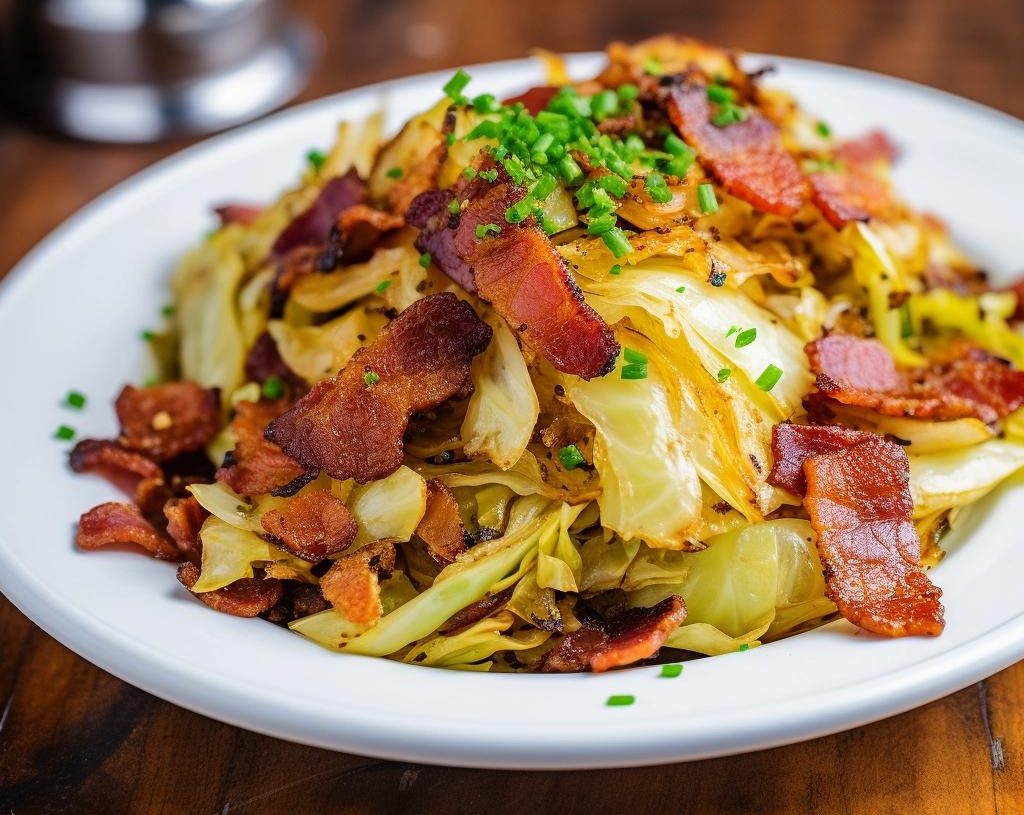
{"type": "Point", "coordinates": [475, 612]}
{"type": "Point", "coordinates": [854, 191]}
{"type": "Point", "coordinates": [634, 635]}
{"type": "Point", "coordinates": [793, 444]}
{"type": "Point", "coordinates": [423, 175]}
{"type": "Point", "coordinates": [362, 227]}
{"type": "Point", "coordinates": [352, 428]}
{"type": "Point", "coordinates": [352, 584]}
{"type": "Point", "coordinates": [441, 527]}
{"type": "Point", "coordinates": [256, 466]}
{"type": "Point", "coordinates": [859, 503]}
{"type": "Point", "coordinates": [247, 597]}
{"type": "Point", "coordinates": [298, 600]}
{"type": "Point", "coordinates": [747, 157]}
{"type": "Point", "coordinates": [535, 99]}
{"type": "Point", "coordinates": [311, 227]}
{"type": "Point", "coordinates": [429, 212]}
{"type": "Point", "coordinates": [185, 518]}
{"type": "Point", "coordinates": [238, 213]}
{"type": "Point", "coordinates": [167, 420]}
{"type": "Point", "coordinates": [311, 526]}
{"type": "Point", "coordinates": [110, 459]}
{"type": "Point", "coordinates": [860, 372]}
{"type": "Point", "coordinates": [122, 523]}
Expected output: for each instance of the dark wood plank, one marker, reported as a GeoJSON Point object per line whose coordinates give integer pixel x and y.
{"type": "Point", "coordinates": [75, 739]}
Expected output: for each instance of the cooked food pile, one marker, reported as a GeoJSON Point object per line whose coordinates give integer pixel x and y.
{"type": "Point", "coordinates": [653, 360]}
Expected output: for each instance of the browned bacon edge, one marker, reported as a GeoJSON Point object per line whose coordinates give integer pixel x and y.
{"type": "Point", "coordinates": [163, 421]}
{"type": "Point", "coordinates": [248, 597]}
{"type": "Point", "coordinates": [857, 495]}
{"type": "Point", "coordinates": [122, 524]}
{"type": "Point", "coordinates": [601, 645]}
{"type": "Point", "coordinates": [312, 226]}
{"type": "Point", "coordinates": [352, 426]}
{"type": "Point", "coordinates": [256, 466]}
{"type": "Point", "coordinates": [312, 526]}
{"type": "Point", "coordinates": [352, 584]}
{"type": "Point", "coordinates": [964, 382]}
{"type": "Point", "coordinates": [853, 191]}
{"type": "Point", "coordinates": [518, 271]}
{"type": "Point", "coordinates": [441, 527]}
{"type": "Point", "coordinates": [747, 158]}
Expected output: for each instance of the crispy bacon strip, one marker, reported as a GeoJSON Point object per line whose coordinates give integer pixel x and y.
{"type": "Point", "coordinates": [256, 466]}
{"type": "Point", "coordinates": [601, 645]}
{"type": "Point", "coordinates": [167, 420]}
{"type": "Point", "coordinates": [112, 460]}
{"type": "Point", "coordinates": [312, 526]}
{"type": "Point", "coordinates": [352, 426]}
{"type": "Point", "coordinates": [312, 227]}
{"type": "Point", "coordinates": [859, 503]}
{"type": "Point", "coordinates": [793, 444]}
{"type": "Point", "coordinates": [861, 372]}
{"type": "Point", "coordinates": [854, 191]}
{"type": "Point", "coordinates": [352, 584]}
{"type": "Point", "coordinates": [248, 597]}
{"type": "Point", "coordinates": [747, 157]}
{"type": "Point", "coordinates": [441, 527]}
{"type": "Point", "coordinates": [185, 518]}
{"type": "Point", "coordinates": [122, 523]}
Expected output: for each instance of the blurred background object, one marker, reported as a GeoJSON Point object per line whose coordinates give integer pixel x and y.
{"type": "Point", "coordinates": [142, 70]}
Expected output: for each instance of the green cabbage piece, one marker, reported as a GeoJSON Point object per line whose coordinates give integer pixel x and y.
{"type": "Point", "coordinates": [390, 508]}
{"type": "Point", "coordinates": [317, 352]}
{"type": "Point", "coordinates": [761, 581]}
{"type": "Point", "coordinates": [502, 411]}
{"type": "Point", "coordinates": [478, 642]}
{"type": "Point", "coordinates": [650, 488]}
{"type": "Point", "coordinates": [229, 554]}
{"type": "Point", "coordinates": [953, 478]}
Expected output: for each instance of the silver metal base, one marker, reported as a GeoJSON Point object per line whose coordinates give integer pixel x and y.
{"type": "Point", "coordinates": [145, 113]}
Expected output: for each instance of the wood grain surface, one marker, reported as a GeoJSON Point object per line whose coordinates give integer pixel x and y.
{"type": "Point", "coordinates": [75, 739]}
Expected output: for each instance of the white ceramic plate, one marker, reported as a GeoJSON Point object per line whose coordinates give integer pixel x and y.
{"type": "Point", "coordinates": [70, 317]}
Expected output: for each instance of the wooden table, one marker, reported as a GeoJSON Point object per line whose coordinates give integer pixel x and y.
{"type": "Point", "coordinates": [75, 739]}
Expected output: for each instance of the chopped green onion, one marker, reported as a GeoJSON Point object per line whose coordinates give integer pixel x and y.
{"type": "Point", "coordinates": [769, 377]}
{"type": "Point", "coordinates": [454, 87]}
{"type": "Point", "coordinates": [676, 146]}
{"type": "Point", "coordinates": [64, 433]}
{"type": "Point", "coordinates": [569, 169]}
{"type": "Point", "coordinates": [453, 206]}
{"type": "Point", "coordinates": [489, 175]}
{"type": "Point", "coordinates": [744, 338]}
{"type": "Point", "coordinates": [394, 172]}
{"type": "Point", "coordinates": [382, 287]}
{"type": "Point", "coordinates": [732, 330]}
{"type": "Point", "coordinates": [632, 355]}
{"type": "Point", "coordinates": [728, 114]}
{"type": "Point", "coordinates": [628, 92]}
{"type": "Point", "coordinates": [617, 242]}
{"type": "Point", "coordinates": [75, 400]}
{"type": "Point", "coordinates": [657, 189]}
{"type": "Point", "coordinates": [469, 172]}
{"type": "Point", "coordinates": [653, 67]}
{"type": "Point", "coordinates": [614, 184]}
{"type": "Point", "coordinates": [681, 289]}
{"type": "Point", "coordinates": [316, 159]}
{"type": "Point", "coordinates": [615, 270]}
{"type": "Point", "coordinates": [272, 387]}
{"type": "Point", "coordinates": [635, 370]}
{"type": "Point", "coordinates": [679, 165]}
{"type": "Point", "coordinates": [167, 311]}
{"type": "Point", "coordinates": [486, 103]}
{"type": "Point", "coordinates": [724, 374]}
{"type": "Point", "coordinates": [371, 378]}
{"type": "Point", "coordinates": [620, 700]}
{"type": "Point", "coordinates": [823, 129]}
{"type": "Point", "coordinates": [604, 104]}
{"type": "Point", "coordinates": [571, 457]}
{"type": "Point", "coordinates": [449, 139]}
{"type": "Point", "coordinates": [425, 259]}
{"type": "Point", "coordinates": [707, 199]}
{"type": "Point", "coordinates": [483, 230]}
{"type": "Point", "coordinates": [148, 335]}
{"type": "Point", "coordinates": [745, 646]}
{"type": "Point", "coordinates": [519, 211]}
{"type": "Point", "coordinates": [721, 95]}
{"type": "Point", "coordinates": [544, 187]}
{"type": "Point", "coordinates": [671, 671]}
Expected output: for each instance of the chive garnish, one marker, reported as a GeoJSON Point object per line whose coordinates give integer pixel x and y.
{"type": "Point", "coordinates": [167, 311]}
{"type": "Point", "coordinates": [744, 338]}
{"type": "Point", "coordinates": [394, 172]}
{"type": "Point", "coordinates": [681, 289]}
{"type": "Point", "coordinates": [371, 378]}
{"type": "Point", "coordinates": [634, 356]}
{"type": "Point", "coordinates": [769, 377]}
{"type": "Point", "coordinates": [724, 374]}
{"type": "Point", "coordinates": [454, 87]}
{"type": "Point", "coordinates": [620, 700]}
{"type": "Point", "coordinates": [64, 433]}
{"type": "Point", "coordinates": [571, 457]}
{"type": "Point", "coordinates": [823, 129]}
{"type": "Point", "coordinates": [272, 388]}
{"type": "Point", "coordinates": [745, 646]}
{"type": "Point", "coordinates": [616, 241]}
{"type": "Point", "coordinates": [316, 159]}
{"type": "Point", "coordinates": [148, 335]}
{"type": "Point", "coordinates": [672, 670]}
{"type": "Point", "coordinates": [615, 270]}
{"type": "Point", "coordinates": [483, 230]}
{"type": "Point", "coordinates": [75, 400]}
{"type": "Point", "coordinates": [634, 371]}
{"type": "Point", "coordinates": [453, 206]}
{"type": "Point", "coordinates": [382, 287]}
{"type": "Point", "coordinates": [425, 259]}
{"type": "Point", "coordinates": [707, 199]}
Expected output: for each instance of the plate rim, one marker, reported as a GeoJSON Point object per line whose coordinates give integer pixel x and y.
{"type": "Point", "coordinates": [982, 655]}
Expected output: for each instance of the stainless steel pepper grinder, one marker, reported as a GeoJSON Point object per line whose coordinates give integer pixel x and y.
{"type": "Point", "coordinates": [144, 70]}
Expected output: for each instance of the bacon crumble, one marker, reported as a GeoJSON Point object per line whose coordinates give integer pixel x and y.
{"type": "Point", "coordinates": [247, 597]}
{"type": "Point", "coordinates": [116, 522]}
{"type": "Point", "coordinates": [185, 517]}
{"type": "Point", "coordinates": [164, 421]}
{"type": "Point", "coordinates": [312, 526]}
{"type": "Point", "coordinates": [746, 157]}
{"type": "Point", "coordinates": [351, 426]}
{"type": "Point", "coordinates": [257, 466]}
{"type": "Point", "coordinates": [352, 584]}
{"type": "Point", "coordinates": [111, 459]}
{"type": "Point", "coordinates": [441, 527]}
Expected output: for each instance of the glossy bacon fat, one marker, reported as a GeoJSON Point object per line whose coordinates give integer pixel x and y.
{"type": "Point", "coordinates": [352, 426]}
{"type": "Point", "coordinates": [857, 495]}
